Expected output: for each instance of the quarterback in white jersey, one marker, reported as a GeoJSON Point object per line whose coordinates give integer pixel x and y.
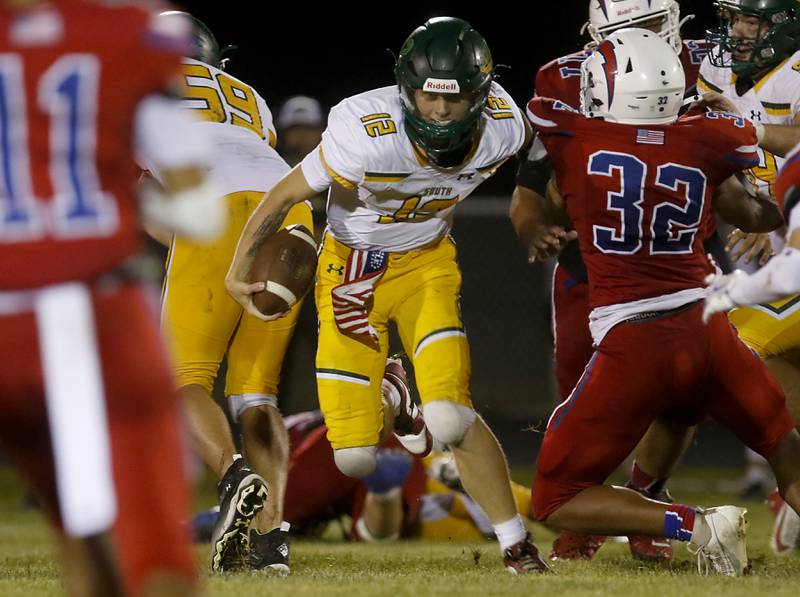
{"type": "Point", "coordinates": [397, 160]}
{"type": "Point", "coordinates": [366, 148]}
{"type": "Point", "coordinates": [204, 324]}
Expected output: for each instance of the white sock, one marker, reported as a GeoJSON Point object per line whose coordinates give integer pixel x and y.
{"type": "Point", "coordinates": [391, 395]}
{"type": "Point", "coordinates": [701, 532]}
{"type": "Point", "coordinates": [510, 532]}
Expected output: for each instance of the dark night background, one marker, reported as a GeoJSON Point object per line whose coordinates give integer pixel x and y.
{"type": "Point", "coordinates": [337, 52]}
{"type": "Point", "coordinates": [333, 53]}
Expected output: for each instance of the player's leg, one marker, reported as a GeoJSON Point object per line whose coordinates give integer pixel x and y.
{"type": "Point", "coordinates": [255, 358]}
{"type": "Point", "coordinates": [199, 318]}
{"type": "Point", "coordinates": [745, 397]}
{"type": "Point", "coordinates": [773, 331]}
{"type": "Point", "coordinates": [314, 484]}
{"type": "Point", "coordinates": [573, 341]}
{"type": "Point", "coordinates": [428, 284]}
{"type": "Point", "coordinates": [147, 445]}
{"type": "Point", "coordinates": [571, 351]}
{"type": "Point", "coordinates": [349, 373]}
{"type": "Point", "coordinates": [625, 385]}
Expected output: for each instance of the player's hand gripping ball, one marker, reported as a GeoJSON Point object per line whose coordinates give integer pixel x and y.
{"type": "Point", "coordinates": [286, 263]}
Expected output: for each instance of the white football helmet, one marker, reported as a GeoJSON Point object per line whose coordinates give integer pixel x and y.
{"type": "Point", "coordinates": [632, 77]}
{"type": "Point", "coordinates": [606, 16]}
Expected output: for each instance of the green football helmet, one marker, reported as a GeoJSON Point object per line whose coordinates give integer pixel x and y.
{"type": "Point", "coordinates": [780, 40]}
{"type": "Point", "coordinates": [204, 46]}
{"type": "Point", "coordinates": [445, 55]}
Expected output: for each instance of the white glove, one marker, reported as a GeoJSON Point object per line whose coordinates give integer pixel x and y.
{"type": "Point", "coordinates": [718, 289]}
{"type": "Point", "coordinates": [199, 214]}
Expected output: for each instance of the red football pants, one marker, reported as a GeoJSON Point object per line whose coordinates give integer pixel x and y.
{"type": "Point", "coordinates": [142, 412]}
{"type": "Point", "coordinates": [573, 341]}
{"type": "Point", "coordinates": [674, 367]}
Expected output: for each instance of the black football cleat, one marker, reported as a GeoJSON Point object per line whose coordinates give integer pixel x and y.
{"type": "Point", "coordinates": [270, 551]}
{"type": "Point", "coordinates": [242, 493]}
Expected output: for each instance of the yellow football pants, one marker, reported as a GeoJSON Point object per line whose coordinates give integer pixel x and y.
{"type": "Point", "coordinates": [772, 329]}
{"type": "Point", "coordinates": [202, 322]}
{"type": "Point", "coordinates": [420, 292]}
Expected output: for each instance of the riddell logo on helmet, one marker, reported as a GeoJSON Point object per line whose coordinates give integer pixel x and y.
{"type": "Point", "coordinates": [441, 86]}
{"type": "Point", "coordinates": [627, 11]}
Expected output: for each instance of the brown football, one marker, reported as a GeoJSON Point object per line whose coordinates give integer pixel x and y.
{"type": "Point", "coordinates": [287, 263]}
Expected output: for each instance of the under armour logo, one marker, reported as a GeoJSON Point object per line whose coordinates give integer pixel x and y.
{"type": "Point", "coordinates": [283, 549]}
{"type": "Point", "coordinates": [339, 270]}
{"type": "Point", "coordinates": [466, 176]}
{"type": "Point", "coordinates": [755, 114]}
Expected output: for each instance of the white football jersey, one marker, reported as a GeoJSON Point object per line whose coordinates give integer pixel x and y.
{"type": "Point", "coordinates": [240, 125]}
{"type": "Point", "coordinates": [398, 200]}
{"type": "Point", "coordinates": [775, 99]}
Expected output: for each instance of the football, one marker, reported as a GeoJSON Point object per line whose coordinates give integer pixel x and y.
{"type": "Point", "coordinates": [287, 263]}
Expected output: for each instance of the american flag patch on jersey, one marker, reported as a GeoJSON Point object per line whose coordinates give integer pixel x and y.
{"type": "Point", "coordinates": [352, 299]}
{"type": "Point", "coordinates": [649, 137]}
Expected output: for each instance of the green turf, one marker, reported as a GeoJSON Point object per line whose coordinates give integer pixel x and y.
{"type": "Point", "coordinates": [27, 566]}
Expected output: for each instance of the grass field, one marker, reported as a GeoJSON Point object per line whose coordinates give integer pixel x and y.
{"type": "Point", "coordinates": [27, 566]}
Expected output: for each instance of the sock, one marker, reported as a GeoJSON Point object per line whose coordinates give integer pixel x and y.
{"type": "Point", "coordinates": [643, 482]}
{"type": "Point", "coordinates": [510, 532]}
{"type": "Point", "coordinates": [679, 522]}
{"type": "Point", "coordinates": [391, 395]}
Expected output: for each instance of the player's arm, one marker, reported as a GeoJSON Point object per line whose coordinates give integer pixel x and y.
{"type": "Point", "coordinates": [537, 211]}
{"type": "Point", "coordinates": [777, 279]}
{"type": "Point", "coordinates": [263, 223]}
{"type": "Point", "coordinates": [187, 202]}
{"type": "Point", "coordinates": [779, 139]}
{"type": "Point", "coordinates": [748, 213]}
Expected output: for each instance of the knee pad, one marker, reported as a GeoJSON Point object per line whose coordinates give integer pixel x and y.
{"type": "Point", "coordinates": [356, 462]}
{"type": "Point", "coordinates": [448, 422]}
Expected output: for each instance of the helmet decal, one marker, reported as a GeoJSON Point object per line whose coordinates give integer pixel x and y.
{"type": "Point", "coordinates": [606, 50]}
{"type": "Point", "coordinates": [602, 5]}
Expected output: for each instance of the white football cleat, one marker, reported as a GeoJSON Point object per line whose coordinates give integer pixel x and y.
{"type": "Point", "coordinates": [785, 537]}
{"type": "Point", "coordinates": [726, 552]}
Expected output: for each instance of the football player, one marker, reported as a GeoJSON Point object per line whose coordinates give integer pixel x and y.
{"type": "Point", "coordinates": [777, 280]}
{"type": "Point", "coordinates": [755, 64]}
{"type": "Point", "coordinates": [203, 323]}
{"type": "Point", "coordinates": [529, 211]}
{"type": "Point", "coordinates": [89, 412]}
{"type": "Point", "coordinates": [643, 250]}
{"type": "Point", "coordinates": [397, 161]}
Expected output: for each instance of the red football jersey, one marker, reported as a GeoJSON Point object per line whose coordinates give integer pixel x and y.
{"type": "Point", "coordinates": [561, 78]}
{"type": "Point", "coordinates": [639, 196]}
{"type": "Point", "coordinates": [72, 73]}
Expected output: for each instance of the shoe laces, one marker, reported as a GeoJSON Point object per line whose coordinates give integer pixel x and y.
{"type": "Point", "coordinates": [525, 555]}
{"type": "Point", "coordinates": [706, 560]}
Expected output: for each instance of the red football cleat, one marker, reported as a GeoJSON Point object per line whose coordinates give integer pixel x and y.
{"type": "Point", "coordinates": [575, 546]}
{"type": "Point", "coordinates": [524, 558]}
{"type": "Point", "coordinates": [409, 425]}
{"type": "Point", "coordinates": [650, 549]}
